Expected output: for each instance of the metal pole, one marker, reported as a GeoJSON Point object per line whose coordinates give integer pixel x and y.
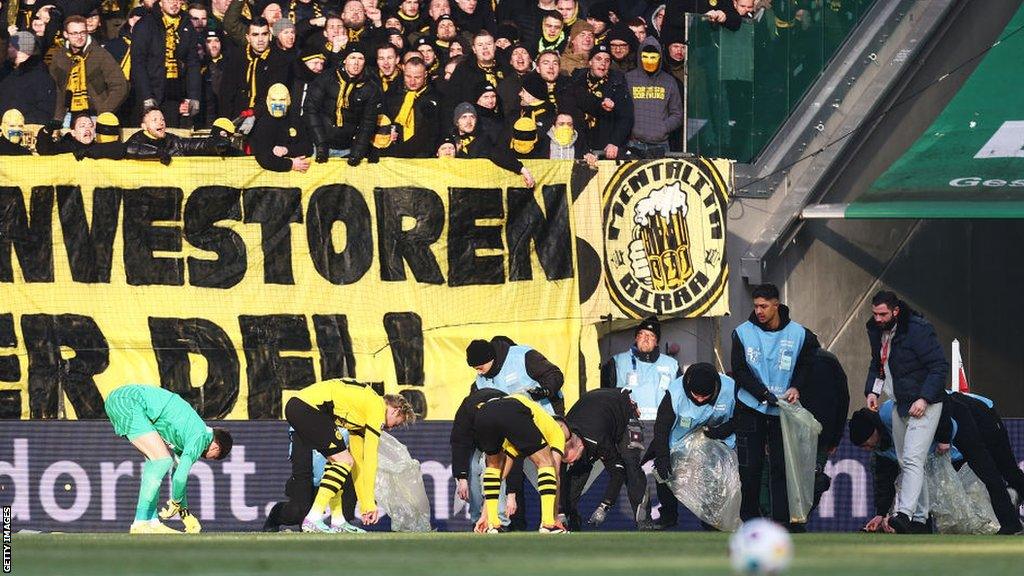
{"type": "Point", "coordinates": [686, 86]}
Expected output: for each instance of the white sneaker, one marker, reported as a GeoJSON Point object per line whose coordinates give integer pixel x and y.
{"type": "Point", "coordinates": [315, 526]}
{"type": "Point", "coordinates": [345, 528]}
{"type": "Point", "coordinates": [556, 529]}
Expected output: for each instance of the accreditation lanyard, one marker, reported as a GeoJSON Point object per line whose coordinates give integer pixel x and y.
{"type": "Point", "coordinates": [886, 344]}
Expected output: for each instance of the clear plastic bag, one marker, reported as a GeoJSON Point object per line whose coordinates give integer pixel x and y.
{"type": "Point", "coordinates": [959, 501]}
{"type": "Point", "coordinates": [399, 487]}
{"type": "Point", "coordinates": [800, 446]}
{"type": "Point", "coordinates": [706, 479]}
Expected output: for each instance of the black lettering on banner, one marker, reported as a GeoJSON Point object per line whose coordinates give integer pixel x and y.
{"type": "Point", "coordinates": [335, 343]}
{"type": "Point", "coordinates": [398, 246]}
{"type": "Point", "coordinates": [30, 234]}
{"type": "Point", "coordinates": [405, 338]}
{"type": "Point", "coordinates": [465, 237]}
{"type": "Point", "coordinates": [49, 373]}
{"type": "Point", "coordinates": [10, 369]}
{"type": "Point", "coordinates": [173, 340]}
{"type": "Point", "coordinates": [274, 209]}
{"type": "Point", "coordinates": [142, 208]}
{"type": "Point", "coordinates": [550, 235]}
{"type": "Point", "coordinates": [206, 206]}
{"type": "Point", "coordinates": [264, 338]}
{"type": "Point", "coordinates": [339, 203]}
{"type": "Point", "coordinates": [90, 251]}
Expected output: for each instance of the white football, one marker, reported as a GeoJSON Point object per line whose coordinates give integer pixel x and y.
{"type": "Point", "coordinates": [760, 546]}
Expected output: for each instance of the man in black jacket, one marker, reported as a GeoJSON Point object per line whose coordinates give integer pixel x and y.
{"type": "Point", "coordinates": [249, 72]}
{"type": "Point", "coordinates": [473, 143]}
{"type": "Point", "coordinates": [342, 108]}
{"type": "Point", "coordinates": [827, 397]}
{"type": "Point", "coordinates": [415, 107]}
{"type": "Point", "coordinates": [607, 420]}
{"type": "Point", "coordinates": [82, 141]}
{"type": "Point", "coordinates": [165, 71]}
{"type": "Point", "coordinates": [513, 368]}
{"type": "Point", "coordinates": [27, 86]}
{"type": "Point", "coordinates": [908, 364]}
{"type": "Point", "coordinates": [278, 142]}
{"type": "Point", "coordinates": [153, 141]}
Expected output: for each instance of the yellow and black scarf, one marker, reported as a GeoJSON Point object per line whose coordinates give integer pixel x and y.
{"type": "Point", "coordinates": [385, 81]}
{"type": "Point", "coordinates": [556, 44]}
{"type": "Point", "coordinates": [318, 11]}
{"type": "Point", "coordinates": [252, 65]}
{"type": "Point", "coordinates": [126, 60]}
{"type": "Point", "coordinates": [464, 142]}
{"type": "Point", "coordinates": [77, 93]}
{"type": "Point", "coordinates": [171, 45]}
{"type": "Point", "coordinates": [492, 73]}
{"type": "Point", "coordinates": [406, 117]}
{"type": "Point", "coordinates": [596, 87]}
{"type": "Point", "coordinates": [345, 87]}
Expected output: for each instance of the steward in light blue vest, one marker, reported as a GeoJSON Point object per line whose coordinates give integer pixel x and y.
{"type": "Point", "coordinates": [642, 369]}
{"type": "Point", "coordinates": [771, 357]}
{"type": "Point", "coordinates": [503, 365]}
{"type": "Point", "coordinates": [701, 399]}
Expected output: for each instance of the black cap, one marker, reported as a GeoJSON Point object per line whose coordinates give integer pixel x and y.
{"type": "Point", "coordinates": [353, 48]}
{"type": "Point", "coordinates": [599, 49]}
{"type": "Point", "coordinates": [535, 86]}
{"type": "Point", "coordinates": [482, 88]}
{"type": "Point", "coordinates": [863, 424]}
{"type": "Point", "coordinates": [703, 380]}
{"type": "Point", "coordinates": [509, 31]}
{"type": "Point", "coordinates": [479, 352]}
{"type": "Point", "coordinates": [650, 323]}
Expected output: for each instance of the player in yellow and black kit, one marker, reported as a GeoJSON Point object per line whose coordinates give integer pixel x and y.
{"type": "Point", "coordinates": [516, 425]}
{"type": "Point", "coordinates": [315, 414]}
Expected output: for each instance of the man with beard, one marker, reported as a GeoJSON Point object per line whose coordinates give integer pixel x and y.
{"type": "Point", "coordinates": [87, 77]}
{"type": "Point", "coordinates": [341, 108]}
{"type": "Point", "coordinates": [165, 65]}
{"type": "Point", "coordinates": [607, 106]}
{"type": "Point", "coordinates": [415, 108]}
{"type": "Point", "coordinates": [771, 358]}
{"type": "Point", "coordinates": [305, 70]}
{"type": "Point", "coordinates": [250, 72]}
{"type": "Point", "coordinates": [153, 141]}
{"type": "Point", "coordinates": [581, 42]}
{"type": "Point", "coordinates": [278, 141]}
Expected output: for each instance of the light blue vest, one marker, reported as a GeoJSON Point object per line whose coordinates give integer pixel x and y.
{"type": "Point", "coordinates": [885, 413]}
{"type": "Point", "coordinates": [512, 377]}
{"type": "Point", "coordinates": [690, 417]}
{"type": "Point", "coordinates": [647, 382]}
{"type": "Point", "coordinates": [772, 357]}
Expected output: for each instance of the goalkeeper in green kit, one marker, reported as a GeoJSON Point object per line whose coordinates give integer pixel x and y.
{"type": "Point", "coordinates": [153, 420]}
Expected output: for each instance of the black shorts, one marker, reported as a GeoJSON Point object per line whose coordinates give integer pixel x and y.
{"type": "Point", "coordinates": [316, 427]}
{"type": "Point", "coordinates": [507, 419]}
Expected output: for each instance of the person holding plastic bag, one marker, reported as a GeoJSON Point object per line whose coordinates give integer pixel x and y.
{"type": "Point", "coordinates": [701, 401]}
{"type": "Point", "coordinates": [771, 357]}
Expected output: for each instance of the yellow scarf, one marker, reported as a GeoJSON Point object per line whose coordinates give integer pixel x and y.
{"type": "Point", "coordinates": [171, 45]}
{"type": "Point", "coordinates": [76, 84]}
{"type": "Point", "coordinates": [250, 71]}
{"type": "Point", "coordinates": [385, 81]}
{"type": "Point", "coordinates": [126, 60]}
{"type": "Point", "coordinates": [492, 73]}
{"type": "Point", "coordinates": [345, 89]}
{"type": "Point", "coordinates": [464, 142]}
{"type": "Point", "coordinates": [406, 117]}
{"type": "Point", "coordinates": [354, 35]}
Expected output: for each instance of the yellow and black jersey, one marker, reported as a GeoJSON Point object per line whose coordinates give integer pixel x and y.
{"type": "Point", "coordinates": [546, 423]}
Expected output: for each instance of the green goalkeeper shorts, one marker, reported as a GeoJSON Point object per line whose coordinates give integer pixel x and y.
{"type": "Point", "coordinates": [127, 413]}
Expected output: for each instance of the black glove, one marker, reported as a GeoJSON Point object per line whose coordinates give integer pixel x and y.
{"type": "Point", "coordinates": [81, 153]}
{"type": "Point", "coordinates": [165, 157]}
{"type": "Point", "coordinates": [221, 145]}
{"type": "Point", "coordinates": [720, 432]}
{"type": "Point", "coordinates": [662, 469]}
{"type": "Point", "coordinates": [771, 399]}
{"type": "Point", "coordinates": [354, 161]}
{"type": "Point", "coordinates": [321, 153]}
{"type": "Point", "coordinates": [373, 158]}
{"type": "Point", "coordinates": [539, 393]}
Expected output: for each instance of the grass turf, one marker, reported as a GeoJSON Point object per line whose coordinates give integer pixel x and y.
{"type": "Point", "coordinates": [589, 554]}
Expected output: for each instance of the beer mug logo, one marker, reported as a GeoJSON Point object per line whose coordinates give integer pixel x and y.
{"type": "Point", "coordinates": [660, 232]}
{"type": "Point", "coordinates": [664, 235]}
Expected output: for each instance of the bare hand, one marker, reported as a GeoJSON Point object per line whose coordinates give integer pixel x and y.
{"type": "Point", "coordinates": [918, 407]}
{"type": "Point", "coordinates": [608, 104]}
{"type": "Point", "coordinates": [318, 22]}
{"type": "Point", "coordinates": [300, 164]}
{"type": "Point", "coordinates": [591, 160]}
{"type": "Point", "coordinates": [462, 489]}
{"type": "Point", "coordinates": [279, 151]}
{"type": "Point", "coordinates": [716, 16]}
{"type": "Point", "coordinates": [875, 524]}
{"type": "Point", "coordinates": [941, 448]}
{"type": "Point", "coordinates": [791, 395]}
{"type": "Point", "coordinates": [510, 504]}
{"type": "Point", "coordinates": [886, 528]}
{"type": "Point", "coordinates": [481, 525]}
{"type": "Point", "coordinates": [370, 518]}
{"type": "Point", "coordinates": [528, 178]}
{"type": "Point", "coordinates": [873, 402]}
{"type": "Point", "coordinates": [611, 151]}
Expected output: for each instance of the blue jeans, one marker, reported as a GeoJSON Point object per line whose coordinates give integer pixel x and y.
{"type": "Point", "coordinates": [476, 492]}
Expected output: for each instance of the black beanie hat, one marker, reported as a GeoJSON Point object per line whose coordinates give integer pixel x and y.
{"type": "Point", "coordinates": [479, 352]}
{"type": "Point", "coordinates": [863, 424]}
{"type": "Point", "coordinates": [703, 380]}
{"type": "Point", "coordinates": [650, 323]}
{"type": "Point", "coordinates": [535, 86]}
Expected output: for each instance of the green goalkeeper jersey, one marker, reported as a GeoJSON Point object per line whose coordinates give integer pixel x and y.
{"type": "Point", "coordinates": [177, 423]}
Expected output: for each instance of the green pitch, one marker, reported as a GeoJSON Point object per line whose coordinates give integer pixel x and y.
{"type": "Point", "coordinates": [585, 554]}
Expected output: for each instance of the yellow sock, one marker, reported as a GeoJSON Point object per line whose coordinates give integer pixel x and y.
{"type": "Point", "coordinates": [335, 476]}
{"type": "Point", "coordinates": [547, 487]}
{"type": "Point", "coordinates": [492, 492]}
